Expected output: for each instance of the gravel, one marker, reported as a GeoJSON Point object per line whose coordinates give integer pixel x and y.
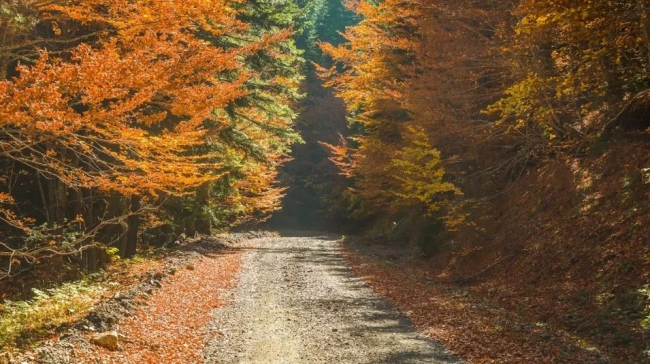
{"type": "Point", "coordinates": [297, 302]}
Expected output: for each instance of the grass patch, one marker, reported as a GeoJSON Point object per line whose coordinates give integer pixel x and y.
{"type": "Point", "coordinates": [22, 322]}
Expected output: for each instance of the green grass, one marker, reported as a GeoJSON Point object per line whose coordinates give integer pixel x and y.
{"type": "Point", "coordinates": [22, 322]}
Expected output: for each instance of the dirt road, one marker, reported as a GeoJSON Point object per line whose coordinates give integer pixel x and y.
{"type": "Point", "coordinates": [297, 302]}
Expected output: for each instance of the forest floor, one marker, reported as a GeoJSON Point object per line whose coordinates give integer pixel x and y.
{"type": "Point", "coordinates": [257, 299]}
{"type": "Point", "coordinates": [473, 327]}
{"type": "Point", "coordinates": [263, 298]}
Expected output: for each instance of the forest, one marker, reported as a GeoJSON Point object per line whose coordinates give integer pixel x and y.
{"type": "Point", "coordinates": [497, 147]}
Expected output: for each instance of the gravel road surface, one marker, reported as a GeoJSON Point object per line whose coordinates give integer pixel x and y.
{"type": "Point", "coordinates": [297, 302]}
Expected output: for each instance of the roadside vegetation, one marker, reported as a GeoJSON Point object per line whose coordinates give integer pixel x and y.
{"type": "Point", "coordinates": [500, 146]}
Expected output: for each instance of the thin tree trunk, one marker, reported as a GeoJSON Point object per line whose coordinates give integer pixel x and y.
{"type": "Point", "coordinates": [133, 228]}
{"type": "Point", "coordinates": [4, 64]}
{"type": "Point", "coordinates": [89, 255]}
{"type": "Point", "coordinates": [114, 233]}
{"type": "Point", "coordinates": [203, 223]}
{"type": "Point", "coordinates": [46, 209]}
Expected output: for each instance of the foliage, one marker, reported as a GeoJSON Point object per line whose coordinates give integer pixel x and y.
{"type": "Point", "coordinates": [420, 173]}
{"type": "Point", "coordinates": [49, 308]}
{"type": "Point", "coordinates": [389, 156]}
{"type": "Point", "coordinates": [574, 67]}
{"type": "Point", "coordinates": [645, 292]}
{"type": "Point", "coordinates": [119, 110]}
{"type": "Point", "coordinates": [323, 21]}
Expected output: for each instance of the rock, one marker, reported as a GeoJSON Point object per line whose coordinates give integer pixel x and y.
{"type": "Point", "coordinates": [601, 359]}
{"type": "Point", "coordinates": [593, 350]}
{"type": "Point", "coordinates": [158, 276]}
{"type": "Point", "coordinates": [107, 340]}
{"type": "Point", "coordinates": [6, 358]}
{"type": "Point", "coordinates": [156, 283]}
{"type": "Point", "coordinates": [190, 266]}
{"type": "Point", "coordinates": [545, 335]}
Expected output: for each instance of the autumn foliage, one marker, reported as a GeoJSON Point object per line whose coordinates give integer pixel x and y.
{"type": "Point", "coordinates": [114, 110]}
{"type": "Point", "coordinates": [389, 155]}
{"type": "Point", "coordinates": [538, 112]}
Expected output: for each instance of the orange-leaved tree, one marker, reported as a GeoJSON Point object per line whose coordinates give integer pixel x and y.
{"type": "Point", "coordinates": [107, 109]}
{"type": "Point", "coordinates": [390, 158]}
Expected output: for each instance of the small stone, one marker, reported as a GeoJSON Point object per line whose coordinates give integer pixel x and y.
{"type": "Point", "coordinates": [545, 335]}
{"type": "Point", "coordinates": [158, 276]}
{"type": "Point", "coordinates": [172, 270]}
{"type": "Point", "coordinates": [156, 283]}
{"type": "Point", "coordinates": [190, 266]}
{"type": "Point", "coordinates": [106, 340]}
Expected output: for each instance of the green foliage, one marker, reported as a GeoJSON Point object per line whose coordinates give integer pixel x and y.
{"type": "Point", "coordinates": [67, 235]}
{"type": "Point", "coordinates": [259, 130]}
{"type": "Point", "coordinates": [15, 20]}
{"type": "Point", "coordinates": [113, 253]}
{"type": "Point", "coordinates": [645, 292]}
{"type": "Point", "coordinates": [31, 319]}
{"type": "Point", "coordinates": [323, 21]}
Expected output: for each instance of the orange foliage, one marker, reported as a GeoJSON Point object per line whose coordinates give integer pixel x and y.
{"type": "Point", "coordinates": [116, 99]}
{"type": "Point", "coordinates": [129, 109]}
{"type": "Point", "coordinates": [372, 71]}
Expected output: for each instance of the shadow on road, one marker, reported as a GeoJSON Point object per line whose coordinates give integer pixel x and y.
{"type": "Point", "coordinates": [371, 319]}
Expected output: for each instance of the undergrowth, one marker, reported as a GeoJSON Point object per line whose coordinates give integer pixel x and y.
{"type": "Point", "coordinates": [24, 321]}
{"type": "Point", "coordinates": [645, 291]}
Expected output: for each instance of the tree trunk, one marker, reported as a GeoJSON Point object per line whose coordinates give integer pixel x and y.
{"type": "Point", "coordinates": [57, 192]}
{"type": "Point", "coordinates": [203, 223]}
{"type": "Point", "coordinates": [190, 226]}
{"type": "Point", "coordinates": [114, 234]}
{"type": "Point", "coordinates": [4, 65]}
{"type": "Point", "coordinates": [90, 257]}
{"type": "Point", "coordinates": [133, 228]}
